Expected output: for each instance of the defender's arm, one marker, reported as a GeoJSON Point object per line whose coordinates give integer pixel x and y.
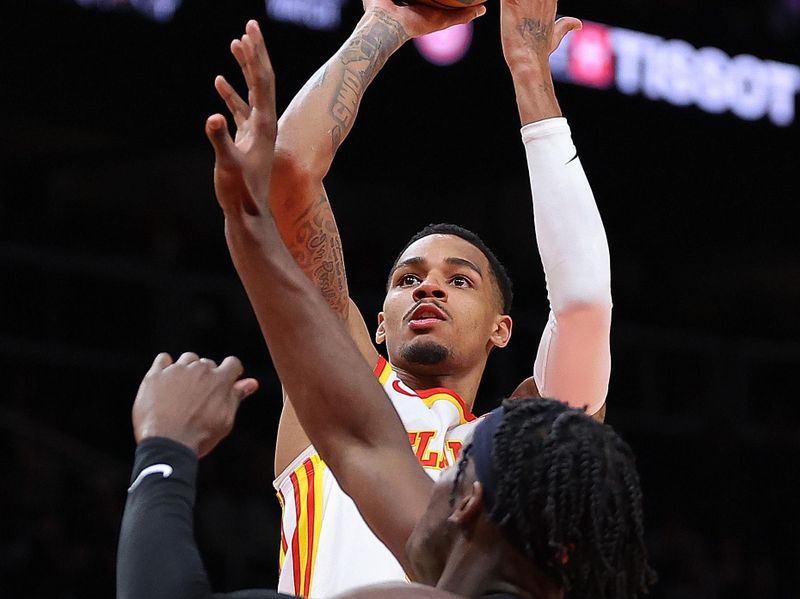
{"type": "Point", "coordinates": [334, 393]}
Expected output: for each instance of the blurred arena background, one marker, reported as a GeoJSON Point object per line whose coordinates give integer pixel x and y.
{"type": "Point", "coordinates": [111, 249]}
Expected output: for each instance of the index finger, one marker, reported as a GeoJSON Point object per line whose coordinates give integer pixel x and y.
{"type": "Point", "coordinates": [231, 368]}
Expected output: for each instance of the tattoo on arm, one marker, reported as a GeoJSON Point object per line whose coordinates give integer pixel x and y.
{"type": "Point", "coordinates": [362, 58]}
{"type": "Point", "coordinates": [319, 77]}
{"type": "Point", "coordinates": [534, 31]}
{"type": "Point", "coordinates": [317, 249]}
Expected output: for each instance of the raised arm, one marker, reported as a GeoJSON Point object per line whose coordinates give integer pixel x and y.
{"type": "Point", "coordinates": [310, 132]}
{"type": "Point", "coordinates": [182, 410]}
{"type": "Point", "coordinates": [573, 362]}
{"type": "Point", "coordinates": [335, 395]}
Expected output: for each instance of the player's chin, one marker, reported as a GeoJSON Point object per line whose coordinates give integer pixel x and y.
{"type": "Point", "coordinates": [425, 350]}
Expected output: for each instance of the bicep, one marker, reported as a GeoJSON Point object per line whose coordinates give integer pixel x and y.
{"type": "Point", "coordinates": [573, 363]}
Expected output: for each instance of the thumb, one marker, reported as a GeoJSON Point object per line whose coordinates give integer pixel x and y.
{"type": "Point", "coordinates": [563, 26]}
{"type": "Point", "coordinates": [217, 133]}
{"type": "Point", "coordinates": [478, 11]}
{"type": "Point", "coordinates": [244, 389]}
{"type": "Point", "coordinates": [467, 15]}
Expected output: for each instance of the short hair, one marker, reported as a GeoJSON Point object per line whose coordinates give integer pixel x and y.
{"type": "Point", "coordinates": [567, 495]}
{"type": "Point", "coordinates": [498, 271]}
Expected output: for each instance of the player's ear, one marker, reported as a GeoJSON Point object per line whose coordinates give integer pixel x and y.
{"type": "Point", "coordinates": [469, 506]}
{"type": "Point", "coordinates": [501, 334]}
{"type": "Point", "coordinates": [380, 332]}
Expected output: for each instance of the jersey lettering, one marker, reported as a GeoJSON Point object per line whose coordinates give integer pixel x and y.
{"type": "Point", "coordinates": [420, 442]}
{"type": "Point", "coordinates": [455, 449]}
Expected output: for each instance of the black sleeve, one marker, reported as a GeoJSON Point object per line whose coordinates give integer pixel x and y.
{"type": "Point", "coordinates": [157, 557]}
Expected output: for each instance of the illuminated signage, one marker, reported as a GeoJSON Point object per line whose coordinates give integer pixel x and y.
{"type": "Point", "coordinates": [676, 72]}
{"type": "Point", "coordinates": [159, 10]}
{"type": "Point", "coordinates": [445, 47]}
{"type": "Point", "coordinates": [314, 14]}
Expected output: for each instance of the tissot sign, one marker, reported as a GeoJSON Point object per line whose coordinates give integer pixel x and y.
{"type": "Point", "coordinates": [674, 71]}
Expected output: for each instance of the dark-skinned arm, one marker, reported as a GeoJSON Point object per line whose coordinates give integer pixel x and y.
{"type": "Point", "coordinates": [335, 395]}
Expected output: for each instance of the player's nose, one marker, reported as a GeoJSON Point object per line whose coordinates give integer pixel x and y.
{"type": "Point", "coordinates": [430, 288]}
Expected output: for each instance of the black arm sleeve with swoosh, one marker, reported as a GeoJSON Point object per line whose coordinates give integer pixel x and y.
{"type": "Point", "coordinates": [157, 557]}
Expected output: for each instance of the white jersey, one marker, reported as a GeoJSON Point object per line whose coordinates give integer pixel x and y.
{"type": "Point", "coordinates": [326, 547]}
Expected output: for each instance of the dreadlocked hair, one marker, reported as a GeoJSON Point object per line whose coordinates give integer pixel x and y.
{"type": "Point", "coordinates": [568, 496]}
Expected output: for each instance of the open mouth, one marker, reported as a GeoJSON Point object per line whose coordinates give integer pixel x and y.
{"type": "Point", "coordinates": [426, 316]}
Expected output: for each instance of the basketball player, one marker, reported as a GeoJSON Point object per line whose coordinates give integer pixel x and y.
{"type": "Point", "coordinates": [543, 502]}
{"type": "Point", "coordinates": [448, 298]}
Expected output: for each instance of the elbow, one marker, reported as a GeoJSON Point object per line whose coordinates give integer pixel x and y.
{"type": "Point", "coordinates": [590, 301]}
{"type": "Point", "coordinates": [295, 167]}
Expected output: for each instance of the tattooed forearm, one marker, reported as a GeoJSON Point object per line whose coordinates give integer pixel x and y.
{"type": "Point", "coordinates": [319, 77]}
{"type": "Point", "coordinates": [362, 58]}
{"type": "Point", "coordinates": [317, 249]}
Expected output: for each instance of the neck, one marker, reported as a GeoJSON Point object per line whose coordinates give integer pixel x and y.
{"type": "Point", "coordinates": [475, 569]}
{"type": "Point", "coordinates": [463, 382]}
{"type": "Point", "coordinates": [470, 571]}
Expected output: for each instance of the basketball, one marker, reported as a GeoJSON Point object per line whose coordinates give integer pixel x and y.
{"type": "Point", "coordinates": [447, 4]}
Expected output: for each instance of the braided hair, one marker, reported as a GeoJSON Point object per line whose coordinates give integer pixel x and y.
{"type": "Point", "coordinates": [567, 495]}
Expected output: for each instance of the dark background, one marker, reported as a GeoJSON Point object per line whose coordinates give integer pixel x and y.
{"type": "Point", "coordinates": [111, 249]}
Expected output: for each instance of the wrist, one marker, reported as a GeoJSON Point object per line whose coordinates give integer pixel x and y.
{"type": "Point", "coordinates": [153, 434]}
{"type": "Point", "coordinates": [386, 30]}
{"type": "Point", "coordinates": [529, 70]}
{"type": "Point", "coordinates": [536, 97]}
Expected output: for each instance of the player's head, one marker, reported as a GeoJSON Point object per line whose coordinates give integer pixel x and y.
{"type": "Point", "coordinates": [447, 300]}
{"type": "Point", "coordinates": [552, 492]}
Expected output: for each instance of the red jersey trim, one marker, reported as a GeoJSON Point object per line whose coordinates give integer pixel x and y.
{"type": "Point", "coordinates": [381, 373]}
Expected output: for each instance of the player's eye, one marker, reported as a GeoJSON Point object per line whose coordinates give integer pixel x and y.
{"type": "Point", "coordinates": [408, 279]}
{"type": "Point", "coordinates": [460, 281]}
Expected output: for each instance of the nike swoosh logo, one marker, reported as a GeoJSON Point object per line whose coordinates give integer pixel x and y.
{"type": "Point", "coordinates": [574, 157]}
{"type": "Point", "coordinates": [164, 469]}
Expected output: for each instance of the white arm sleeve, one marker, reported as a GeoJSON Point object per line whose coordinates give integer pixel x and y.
{"type": "Point", "coordinates": [573, 363]}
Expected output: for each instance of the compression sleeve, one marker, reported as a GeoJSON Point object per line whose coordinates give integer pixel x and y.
{"type": "Point", "coordinates": [573, 362]}
{"type": "Point", "coordinates": [157, 557]}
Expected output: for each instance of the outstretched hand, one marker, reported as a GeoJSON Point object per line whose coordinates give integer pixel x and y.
{"type": "Point", "coordinates": [530, 31]}
{"type": "Point", "coordinates": [243, 166]}
{"type": "Point", "coordinates": [192, 401]}
{"type": "Point", "coordinates": [418, 20]}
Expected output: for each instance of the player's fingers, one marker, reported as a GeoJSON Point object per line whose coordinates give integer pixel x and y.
{"type": "Point", "coordinates": [562, 27]}
{"type": "Point", "coordinates": [258, 73]}
{"type": "Point", "coordinates": [456, 16]}
{"type": "Point", "coordinates": [187, 358]}
{"type": "Point", "coordinates": [217, 133]}
{"type": "Point", "coordinates": [160, 363]}
{"type": "Point", "coordinates": [231, 368]}
{"type": "Point", "coordinates": [238, 52]}
{"type": "Point", "coordinates": [238, 107]}
{"type": "Point", "coordinates": [207, 362]}
{"type": "Point", "coordinates": [254, 31]}
{"type": "Point", "coordinates": [244, 389]}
